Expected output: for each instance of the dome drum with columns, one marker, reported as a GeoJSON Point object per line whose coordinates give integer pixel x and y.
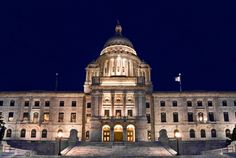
{"type": "Point", "coordinates": [118, 59]}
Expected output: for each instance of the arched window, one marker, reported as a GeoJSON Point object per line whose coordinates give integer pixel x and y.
{"type": "Point", "coordinates": [203, 133]}
{"type": "Point", "coordinates": [175, 131]}
{"type": "Point", "coordinates": [192, 133]}
{"type": "Point", "coordinates": [227, 133]}
{"type": "Point", "coordinates": [22, 133]}
{"type": "Point", "coordinates": [213, 133]}
{"type": "Point", "coordinates": [33, 133]}
{"type": "Point", "coordinates": [9, 132]}
{"type": "Point", "coordinates": [35, 117]}
{"type": "Point", "coordinates": [44, 133]}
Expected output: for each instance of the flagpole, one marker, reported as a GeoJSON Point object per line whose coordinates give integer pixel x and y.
{"type": "Point", "coordinates": [180, 84]}
{"type": "Point", "coordinates": [56, 84]}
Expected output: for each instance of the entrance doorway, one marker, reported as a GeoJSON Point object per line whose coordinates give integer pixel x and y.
{"type": "Point", "coordinates": [118, 133]}
{"type": "Point", "coordinates": [130, 133]}
{"type": "Point", "coordinates": [106, 133]}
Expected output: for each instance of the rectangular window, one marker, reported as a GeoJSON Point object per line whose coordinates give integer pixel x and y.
{"type": "Point", "coordinates": [190, 117]}
{"type": "Point", "coordinates": [163, 117]}
{"type": "Point", "coordinates": [226, 116]}
{"type": "Point", "coordinates": [118, 113]}
{"type": "Point", "coordinates": [88, 115]}
{"type": "Point", "coordinates": [147, 105]}
{"type": "Point", "coordinates": [1, 115]}
{"type": "Point", "coordinates": [26, 103]}
{"type": "Point", "coordinates": [10, 116]}
{"type": "Point", "coordinates": [189, 103]}
{"type": "Point", "coordinates": [199, 103]}
{"type": "Point", "coordinates": [174, 103]}
{"type": "Point", "coordinates": [224, 103]}
{"type": "Point", "coordinates": [211, 116]}
{"type": "Point", "coordinates": [148, 118]}
{"type": "Point", "coordinates": [235, 103]}
{"type": "Point", "coordinates": [12, 103]}
{"type": "Point", "coordinates": [209, 103]}
{"type": "Point", "coordinates": [106, 113]}
{"type": "Point", "coordinates": [175, 117]}
{"type": "Point", "coordinates": [61, 117]}
{"type": "Point", "coordinates": [88, 105]}
{"type": "Point", "coordinates": [47, 103]}
{"type": "Point", "coordinates": [73, 117]}
{"type": "Point", "coordinates": [162, 103]}
{"type": "Point", "coordinates": [73, 103]}
{"type": "Point", "coordinates": [1, 102]}
{"type": "Point", "coordinates": [46, 117]}
{"type": "Point", "coordinates": [36, 103]}
{"type": "Point", "coordinates": [61, 103]}
{"type": "Point", "coordinates": [130, 113]}
{"type": "Point", "coordinates": [25, 116]}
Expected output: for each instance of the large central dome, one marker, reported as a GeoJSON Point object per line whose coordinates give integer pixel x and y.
{"type": "Point", "coordinates": [118, 39]}
{"type": "Point", "coordinates": [118, 43]}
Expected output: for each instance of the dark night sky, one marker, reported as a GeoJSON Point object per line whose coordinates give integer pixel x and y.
{"type": "Point", "coordinates": [38, 39]}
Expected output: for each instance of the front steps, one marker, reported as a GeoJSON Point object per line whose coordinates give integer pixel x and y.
{"type": "Point", "coordinates": [138, 149]}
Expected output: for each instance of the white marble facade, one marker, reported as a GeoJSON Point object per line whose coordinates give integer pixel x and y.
{"type": "Point", "coordinates": [118, 104]}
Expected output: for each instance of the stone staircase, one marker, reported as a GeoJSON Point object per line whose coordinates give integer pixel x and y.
{"type": "Point", "coordinates": [138, 149]}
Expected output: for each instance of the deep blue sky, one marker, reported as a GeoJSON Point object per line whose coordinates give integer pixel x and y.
{"type": "Point", "coordinates": [38, 39]}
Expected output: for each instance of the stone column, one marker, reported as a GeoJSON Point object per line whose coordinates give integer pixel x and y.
{"type": "Point", "coordinates": [112, 134]}
{"type": "Point", "coordinates": [124, 134]}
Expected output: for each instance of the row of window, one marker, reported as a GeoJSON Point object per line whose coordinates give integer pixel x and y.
{"type": "Point", "coordinates": [37, 103]}
{"type": "Point", "coordinates": [190, 104]}
{"type": "Point", "coordinates": [26, 117]}
{"type": "Point", "coordinates": [23, 133]}
{"type": "Point", "coordinates": [200, 117]}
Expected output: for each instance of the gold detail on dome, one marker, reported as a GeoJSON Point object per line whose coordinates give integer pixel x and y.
{"type": "Point", "coordinates": [118, 28]}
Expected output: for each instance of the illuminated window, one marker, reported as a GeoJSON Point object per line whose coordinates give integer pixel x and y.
{"type": "Point", "coordinates": [44, 133]}
{"type": "Point", "coordinates": [106, 113]}
{"type": "Point", "coordinates": [22, 133]}
{"type": "Point", "coordinates": [73, 103]}
{"type": "Point", "coordinates": [200, 117]}
{"type": "Point", "coordinates": [12, 103]}
{"type": "Point", "coordinates": [61, 117]}
{"type": "Point", "coordinates": [118, 113]}
{"type": "Point", "coordinates": [36, 103]}
{"type": "Point", "coordinates": [9, 132]}
{"type": "Point", "coordinates": [163, 117]}
{"type": "Point", "coordinates": [10, 116]}
{"type": "Point", "coordinates": [203, 133]}
{"type": "Point", "coordinates": [130, 113]}
{"type": "Point", "coordinates": [33, 133]}
{"type": "Point", "coordinates": [73, 117]}
{"type": "Point", "coordinates": [227, 133]}
{"type": "Point", "coordinates": [25, 116]}
{"type": "Point", "coordinates": [149, 135]}
{"type": "Point", "coordinates": [192, 133]}
{"type": "Point", "coordinates": [46, 117]}
{"type": "Point", "coordinates": [26, 103]}
{"type": "Point", "coordinates": [35, 117]}
{"type": "Point", "coordinates": [61, 103]}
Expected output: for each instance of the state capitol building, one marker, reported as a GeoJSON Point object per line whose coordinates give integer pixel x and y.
{"type": "Point", "coordinates": [118, 105]}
